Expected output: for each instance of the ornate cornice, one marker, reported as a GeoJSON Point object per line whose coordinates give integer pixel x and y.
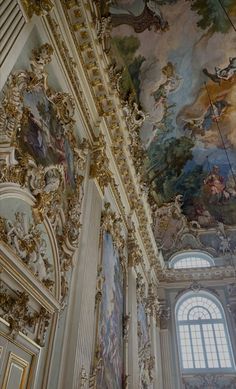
{"type": "Point", "coordinates": [208, 273]}
{"type": "Point", "coordinates": [97, 69]}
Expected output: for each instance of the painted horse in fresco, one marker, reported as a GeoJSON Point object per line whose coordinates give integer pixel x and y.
{"type": "Point", "coordinates": [151, 16]}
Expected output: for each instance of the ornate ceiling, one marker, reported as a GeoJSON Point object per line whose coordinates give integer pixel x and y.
{"type": "Point", "coordinates": [179, 65]}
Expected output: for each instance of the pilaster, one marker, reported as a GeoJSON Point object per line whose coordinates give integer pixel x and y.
{"type": "Point", "coordinates": [133, 368]}
{"type": "Point", "coordinates": [78, 343]}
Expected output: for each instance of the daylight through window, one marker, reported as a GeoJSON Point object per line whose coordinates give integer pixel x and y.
{"type": "Point", "coordinates": [202, 333]}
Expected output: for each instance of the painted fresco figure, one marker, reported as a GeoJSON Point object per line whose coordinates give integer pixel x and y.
{"type": "Point", "coordinates": [222, 74]}
{"type": "Point", "coordinates": [214, 185]}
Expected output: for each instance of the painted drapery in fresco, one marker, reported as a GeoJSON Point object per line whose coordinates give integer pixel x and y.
{"type": "Point", "coordinates": [110, 327]}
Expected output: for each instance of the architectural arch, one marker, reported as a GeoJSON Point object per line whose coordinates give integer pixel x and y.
{"type": "Point", "coordinates": [191, 259]}
{"type": "Point", "coordinates": [203, 338]}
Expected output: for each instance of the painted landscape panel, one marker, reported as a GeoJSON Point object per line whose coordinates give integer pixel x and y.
{"type": "Point", "coordinates": [110, 329]}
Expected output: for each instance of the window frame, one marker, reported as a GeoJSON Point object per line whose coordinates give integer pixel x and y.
{"type": "Point", "coordinates": [223, 320]}
{"type": "Point", "coordinates": [189, 254]}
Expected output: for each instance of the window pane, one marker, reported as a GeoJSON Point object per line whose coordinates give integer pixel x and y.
{"type": "Point", "coordinates": [185, 345]}
{"type": "Point", "coordinates": [203, 338]}
{"type": "Point", "coordinates": [197, 346]}
{"type": "Point", "coordinates": [222, 345]}
{"type": "Point", "coordinates": [201, 306]}
{"type": "Point", "coordinates": [191, 262]}
{"type": "Point", "coordinates": [210, 346]}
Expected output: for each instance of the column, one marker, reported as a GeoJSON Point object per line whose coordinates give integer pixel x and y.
{"type": "Point", "coordinates": [156, 352]}
{"type": "Point", "coordinates": [166, 359]}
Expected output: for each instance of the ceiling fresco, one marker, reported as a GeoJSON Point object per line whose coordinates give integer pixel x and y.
{"type": "Point", "coordinates": [179, 60]}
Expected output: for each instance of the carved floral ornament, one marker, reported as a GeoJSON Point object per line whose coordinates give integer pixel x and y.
{"type": "Point", "coordinates": [56, 186]}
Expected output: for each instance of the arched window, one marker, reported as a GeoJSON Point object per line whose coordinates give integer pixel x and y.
{"type": "Point", "coordinates": [191, 259]}
{"type": "Point", "coordinates": [202, 332]}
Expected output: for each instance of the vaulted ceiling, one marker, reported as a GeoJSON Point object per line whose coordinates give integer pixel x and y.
{"type": "Point", "coordinates": [179, 64]}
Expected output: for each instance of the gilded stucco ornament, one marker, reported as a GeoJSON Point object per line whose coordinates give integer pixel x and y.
{"type": "Point", "coordinates": [19, 82]}
{"type": "Point", "coordinates": [134, 251]}
{"type": "Point", "coordinates": [162, 314]}
{"type": "Point", "coordinates": [14, 308]}
{"type": "Point", "coordinates": [134, 118]}
{"type": "Point", "coordinates": [27, 242]}
{"type": "Point", "coordinates": [146, 366]}
{"type": "Point", "coordinates": [99, 285]}
{"type": "Point", "coordinates": [152, 301]}
{"type": "Point", "coordinates": [45, 181]}
{"type": "Point", "coordinates": [140, 288]}
{"type": "Point", "coordinates": [112, 223]}
{"type": "Point", "coordinates": [83, 378]}
{"type": "Point", "coordinates": [115, 75]}
{"type": "Point", "coordinates": [100, 71]}
{"type": "Point", "coordinates": [126, 325]}
{"type": "Point", "coordinates": [37, 7]}
{"type": "Point", "coordinates": [100, 163]}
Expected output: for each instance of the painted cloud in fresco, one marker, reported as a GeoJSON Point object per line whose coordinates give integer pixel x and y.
{"type": "Point", "coordinates": [185, 79]}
